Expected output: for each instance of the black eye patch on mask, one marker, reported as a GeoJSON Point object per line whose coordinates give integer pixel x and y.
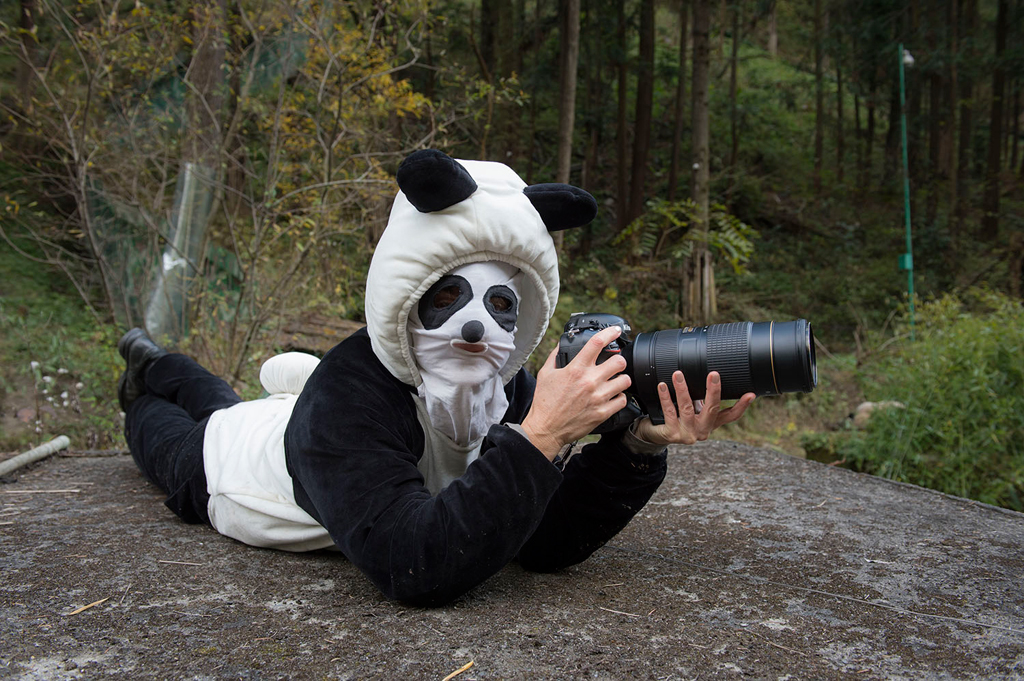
{"type": "Point", "coordinates": [503, 306]}
{"type": "Point", "coordinates": [448, 295]}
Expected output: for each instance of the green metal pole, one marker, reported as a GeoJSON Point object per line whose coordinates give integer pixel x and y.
{"type": "Point", "coordinates": [907, 261]}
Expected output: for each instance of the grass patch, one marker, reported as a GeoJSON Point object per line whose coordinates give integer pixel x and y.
{"type": "Point", "coordinates": [962, 381]}
{"type": "Point", "coordinates": [58, 366]}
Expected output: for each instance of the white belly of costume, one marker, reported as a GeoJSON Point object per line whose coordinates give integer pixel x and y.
{"type": "Point", "coordinates": [251, 494]}
{"type": "Point", "coordinates": [251, 497]}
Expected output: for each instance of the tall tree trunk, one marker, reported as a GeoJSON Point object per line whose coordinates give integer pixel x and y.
{"type": "Point", "coordinates": [698, 294]}
{"type": "Point", "coordinates": [953, 20]}
{"type": "Point", "coordinates": [537, 57]}
{"type": "Point", "coordinates": [914, 93]}
{"type": "Point", "coordinates": [569, 55]}
{"type": "Point", "coordinates": [1015, 128]}
{"type": "Point", "coordinates": [936, 112]}
{"type": "Point", "coordinates": [858, 142]}
{"type": "Point", "coordinates": [592, 72]}
{"type": "Point", "coordinates": [819, 97]}
{"type": "Point", "coordinates": [1007, 120]}
{"type": "Point", "coordinates": [892, 139]}
{"type": "Point", "coordinates": [840, 149]}
{"type": "Point", "coordinates": [773, 31]}
{"type": "Point", "coordinates": [595, 64]}
{"type": "Point", "coordinates": [990, 216]}
{"type": "Point", "coordinates": [938, 116]}
{"type": "Point", "coordinates": [643, 113]}
{"type": "Point", "coordinates": [734, 151]}
{"type": "Point", "coordinates": [858, 135]}
{"type": "Point", "coordinates": [568, 61]}
{"type": "Point", "coordinates": [515, 129]}
{"type": "Point", "coordinates": [519, 34]}
{"type": "Point", "coordinates": [678, 123]}
{"type": "Point", "coordinates": [699, 106]}
{"type": "Point", "coordinates": [488, 22]}
{"type": "Point", "coordinates": [869, 133]}
{"type": "Point", "coordinates": [506, 54]}
{"type": "Point", "coordinates": [723, 7]}
{"type": "Point", "coordinates": [25, 77]}
{"type": "Point", "coordinates": [966, 96]}
{"type": "Point", "coordinates": [621, 124]}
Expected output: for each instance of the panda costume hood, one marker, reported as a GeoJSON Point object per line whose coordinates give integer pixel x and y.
{"type": "Point", "coordinates": [451, 213]}
{"type": "Point", "coordinates": [475, 230]}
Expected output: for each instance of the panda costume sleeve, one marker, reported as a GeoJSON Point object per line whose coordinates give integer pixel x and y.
{"type": "Point", "coordinates": [401, 447]}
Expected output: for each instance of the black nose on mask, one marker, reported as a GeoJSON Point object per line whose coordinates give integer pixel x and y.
{"type": "Point", "coordinates": [472, 331]}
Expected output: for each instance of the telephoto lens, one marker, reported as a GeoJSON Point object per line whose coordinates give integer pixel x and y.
{"type": "Point", "coordinates": [764, 358]}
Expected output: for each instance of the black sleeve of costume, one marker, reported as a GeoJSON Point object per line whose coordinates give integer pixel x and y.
{"type": "Point", "coordinates": [352, 446]}
{"type": "Point", "coordinates": [604, 486]}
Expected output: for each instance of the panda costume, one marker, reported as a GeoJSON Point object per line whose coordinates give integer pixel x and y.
{"type": "Point", "coordinates": [402, 447]}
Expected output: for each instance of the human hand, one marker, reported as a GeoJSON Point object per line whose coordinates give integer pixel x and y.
{"type": "Point", "coordinates": [692, 421]}
{"type": "Point", "coordinates": [570, 402]}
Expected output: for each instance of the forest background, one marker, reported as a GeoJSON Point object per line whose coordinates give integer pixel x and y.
{"type": "Point", "coordinates": [220, 170]}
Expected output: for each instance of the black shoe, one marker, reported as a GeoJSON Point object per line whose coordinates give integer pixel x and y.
{"type": "Point", "coordinates": [138, 351]}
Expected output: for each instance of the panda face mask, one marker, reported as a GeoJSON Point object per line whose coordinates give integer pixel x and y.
{"type": "Point", "coordinates": [462, 334]}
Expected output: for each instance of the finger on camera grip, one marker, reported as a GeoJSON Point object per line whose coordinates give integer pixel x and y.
{"type": "Point", "coordinates": [618, 383]}
{"type": "Point", "coordinates": [592, 349]}
{"type": "Point", "coordinates": [614, 406]}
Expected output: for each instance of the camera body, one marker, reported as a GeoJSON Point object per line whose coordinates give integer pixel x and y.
{"type": "Point", "coordinates": [583, 326]}
{"type": "Point", "coordinates": [765, 358]}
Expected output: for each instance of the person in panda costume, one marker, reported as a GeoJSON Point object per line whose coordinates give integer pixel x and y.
{"type": "Point", "coordinates": [420, 447]}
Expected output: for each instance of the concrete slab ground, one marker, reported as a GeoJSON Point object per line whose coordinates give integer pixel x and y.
{"type": "Point", "coordinates": [746, 564]}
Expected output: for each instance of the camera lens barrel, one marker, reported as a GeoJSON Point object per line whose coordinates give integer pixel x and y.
{"type": "Point", "coordinates": [765, 358]}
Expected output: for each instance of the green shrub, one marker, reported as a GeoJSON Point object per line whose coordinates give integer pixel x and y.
{"type": "Point", "coordinates": [962, 381]}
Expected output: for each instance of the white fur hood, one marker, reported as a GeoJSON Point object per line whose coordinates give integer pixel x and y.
{"type": "Point", "coordinates": [488, 216]}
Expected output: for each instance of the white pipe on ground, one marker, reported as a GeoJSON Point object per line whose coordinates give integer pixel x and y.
{"type": "Point", "coordinates": [41, 452]}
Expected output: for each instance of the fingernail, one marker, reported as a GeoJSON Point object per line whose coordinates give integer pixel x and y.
{"type": "Point", "coordinates": [714, 378]}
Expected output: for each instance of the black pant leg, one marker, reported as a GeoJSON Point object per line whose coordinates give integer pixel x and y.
{"type": "Point", "coordinates": [167, 445]}
{"type": "Point", "coordinates": [182, 381]}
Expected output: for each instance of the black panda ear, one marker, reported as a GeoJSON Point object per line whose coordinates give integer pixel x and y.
{"type": "Point", "coordinates": [562, 206]}
{"type": "Point", "coordinates": [432, 180]}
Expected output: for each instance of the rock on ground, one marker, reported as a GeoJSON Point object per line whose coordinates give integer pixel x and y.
{"type": "Point", "coordinates": [746, 563]}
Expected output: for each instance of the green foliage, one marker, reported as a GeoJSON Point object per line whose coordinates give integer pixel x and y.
{"type": "Point", "coordinates": [290, 118]}
{"type": "Point", "coordinates": [962, 381]}
{"type": "Point", "coordinates": [670, 229]}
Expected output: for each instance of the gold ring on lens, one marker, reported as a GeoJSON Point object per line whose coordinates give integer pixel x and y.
{"type": "Point", "coordinates": [771, 353]}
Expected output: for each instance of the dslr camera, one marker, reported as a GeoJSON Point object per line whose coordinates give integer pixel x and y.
{"type": "Point", "coordinates": [764, 358]}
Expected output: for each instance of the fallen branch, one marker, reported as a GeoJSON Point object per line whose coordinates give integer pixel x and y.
{"type": "Point", "coordinates": [772, 643]}
{"type": "Point", "coordinates": [86, 607]}
{"type": "Point", "coordinates": [619, 612]}
{"type": "Point", "coordinates": [458, 671]}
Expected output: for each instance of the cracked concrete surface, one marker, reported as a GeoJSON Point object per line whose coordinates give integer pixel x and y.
{"type": "Point", "coordinates": [746, 563]}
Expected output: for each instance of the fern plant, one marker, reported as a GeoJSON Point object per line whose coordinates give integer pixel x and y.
{"type": "Point", "coordinates": [668, 230]}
